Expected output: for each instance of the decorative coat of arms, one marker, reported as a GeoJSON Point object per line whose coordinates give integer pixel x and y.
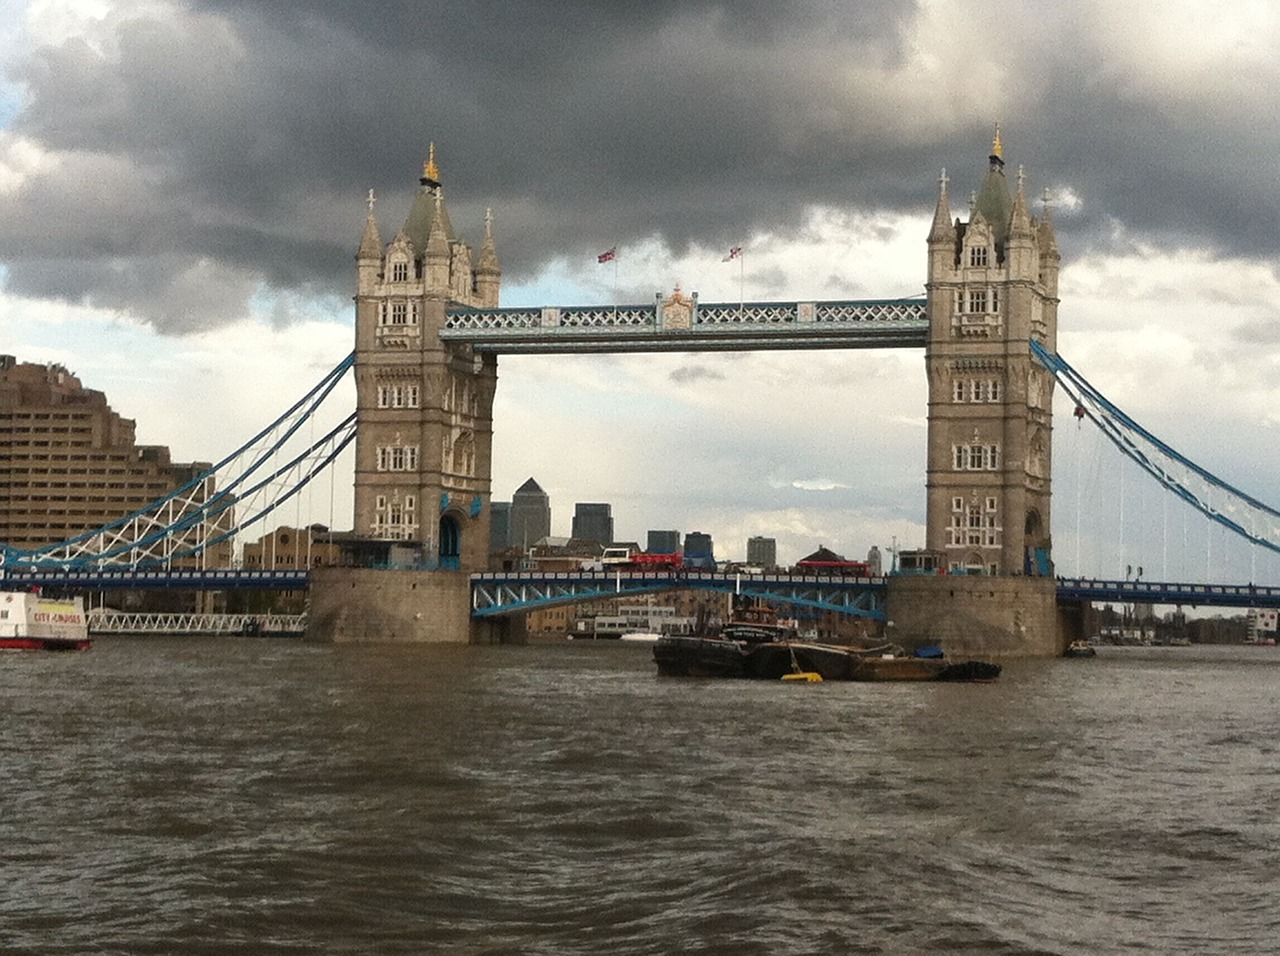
{"type": "Point", "coordinates": [677, 312]}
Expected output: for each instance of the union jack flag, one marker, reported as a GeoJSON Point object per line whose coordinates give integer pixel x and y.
{"type": "Point", "coordinates": [733, 253]}
{"type": "Point", "coordinates": [608, 256]}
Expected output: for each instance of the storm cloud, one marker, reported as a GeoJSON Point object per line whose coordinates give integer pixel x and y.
{"type": "Point", "coordinates": [172, 160]}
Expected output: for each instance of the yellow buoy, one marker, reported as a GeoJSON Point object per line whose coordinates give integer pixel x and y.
{"type": "Point", "coordinates": [809, 677]}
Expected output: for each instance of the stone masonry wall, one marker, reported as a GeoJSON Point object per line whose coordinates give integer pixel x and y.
{"type": "Point", "coordinates": [979, 616]}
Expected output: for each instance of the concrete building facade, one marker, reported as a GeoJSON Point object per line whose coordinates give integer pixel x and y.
{"type": "Point", "coordinates": [70, 464]}
{"type": "Point", "coordinates": [762, 552]}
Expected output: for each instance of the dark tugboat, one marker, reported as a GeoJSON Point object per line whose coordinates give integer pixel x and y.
{"type": "Point", "coordinates": [727, 654]}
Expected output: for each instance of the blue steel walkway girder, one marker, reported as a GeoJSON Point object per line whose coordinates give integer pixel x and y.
{"type": "Point", "coordinates": [494, 594]}
{"type": "Point", "coordinates": [747, 326]}
{"type": "Point", "coordinates": [1175, 594]}
{"type": "Point", "coordinates": [157, 579]}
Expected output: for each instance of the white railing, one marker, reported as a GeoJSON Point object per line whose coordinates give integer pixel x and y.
{"type": "Point", "coordinates": [114, 622]}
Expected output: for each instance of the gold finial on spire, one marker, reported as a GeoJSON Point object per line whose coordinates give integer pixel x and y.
{"type": "Point", "coordinates": [997, 147]}
{"type": "Point", "coordinates": [429, 168]}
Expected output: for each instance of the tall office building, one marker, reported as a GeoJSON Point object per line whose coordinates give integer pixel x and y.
{"type": "Point", "coordinates": [699, 550]}
{"type": "Point", "coordinates": [530, 515]}
{"type": "Point", "coordinates": [500, 525]}
{"type": "Point", "coordinates": [875, 563]}
{"type": "Point", "coordinates": [593, 522]}
{"type": "Point", "coordinates": [663, 542]}
{"type": "Point", "coordinates": [762, 552]}
{"type": "Point", "coordinates": [69, 464]}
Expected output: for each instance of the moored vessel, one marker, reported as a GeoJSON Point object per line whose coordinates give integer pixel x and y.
{"type": "Point", "coordinates": [29, 622]}
{"type": "Point", "coordinates": [900, 667]}
{"type": "Point", "coordinates": [753, 644]}
{"type": "Point", "coordinates": [1080, 649]}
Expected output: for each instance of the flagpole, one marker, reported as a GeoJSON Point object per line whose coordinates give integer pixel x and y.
{"type": "Point", "coordinates": [611, 255]}
{"type": "Point", "coordinates": [741, 268]}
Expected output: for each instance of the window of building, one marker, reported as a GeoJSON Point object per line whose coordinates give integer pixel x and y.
{"type": "Point", "coordinates": [976, 457]}
{"type": "Point", "coordinates": [398, 396]}
{"type": "Point", "coordinates": [972, 528]}
{"type": "Point", "coordinates": [399, 271]}
{"type": "Point", "coordinates": [395, 519]}
{"type": "Point", "coordinates": [977, 301]}
{"type": "Point", "coordinates": [397, 458]}
{"type": "Point", "coordinates": [976, 390]}
{"type": "Point", "coordinates": [978, 256]}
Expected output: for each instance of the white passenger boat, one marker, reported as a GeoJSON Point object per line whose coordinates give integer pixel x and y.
{"type": "Point", "coordinates": [29, 622]}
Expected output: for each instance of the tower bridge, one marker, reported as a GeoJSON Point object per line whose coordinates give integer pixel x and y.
{"type": "Point", "coordinates": [429, 330]}
{"type": "Point", "coordinates": [428, 334]}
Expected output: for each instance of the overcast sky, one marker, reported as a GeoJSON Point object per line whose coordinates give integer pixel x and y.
{"type": "Point", "coordinates": [182, 190]}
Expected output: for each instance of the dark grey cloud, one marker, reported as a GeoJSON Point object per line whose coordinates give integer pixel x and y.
{"type": "Point", "coordinates": [694, 373]}
{"type": "Point", "coordinates": [236, 140]}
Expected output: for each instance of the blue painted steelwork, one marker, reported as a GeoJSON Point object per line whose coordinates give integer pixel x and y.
{"type": "Point", "coordinates": [867, 323]}
{"type": "Point", "coordinates": [1177, 473]}
{"type": "Point", "coordinates": [240, 490]}
{"type": "Point", "coordinates": [1156, 592]}
{"type": "Point", "coordinates": [495, 594]}
{"type": "Point", "coordinates": [124, 578]}
{"type": "Point", "coordinates": [516, 592]}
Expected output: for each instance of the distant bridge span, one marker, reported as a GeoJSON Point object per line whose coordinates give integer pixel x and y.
{"type": "Point", "coordinates": [517, 591]}
{"type": "Point", "coordinates": [504, 593]}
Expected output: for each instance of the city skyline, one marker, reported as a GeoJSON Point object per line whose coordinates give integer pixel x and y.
{"type": "Point", "coordinates": [174, 229]}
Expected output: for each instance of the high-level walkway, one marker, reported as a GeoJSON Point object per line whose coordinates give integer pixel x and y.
{"type": "Point", "coordinates": [692, 326]}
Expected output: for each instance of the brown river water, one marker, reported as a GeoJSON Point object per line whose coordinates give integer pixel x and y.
{"type": "Point", "coordinates": [258, 796]}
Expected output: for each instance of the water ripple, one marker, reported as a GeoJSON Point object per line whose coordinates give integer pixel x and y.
{"type": "Point", "coordinates": [241, 796]}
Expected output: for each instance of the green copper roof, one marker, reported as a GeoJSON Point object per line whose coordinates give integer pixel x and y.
{"type": "Point", "coordinates": [418, 226]}
{"type": "Point", "coordinates": [995, 203]}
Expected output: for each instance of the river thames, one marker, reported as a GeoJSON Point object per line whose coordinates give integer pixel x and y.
{"type": "Point", "coordinates": [229, 795]}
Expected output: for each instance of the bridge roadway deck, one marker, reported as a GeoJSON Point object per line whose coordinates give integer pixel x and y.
{"type": "Point", "coordinates": [1155, 592]}
{"type": "Point", "coordinates": [737, 326]}
{"type": "Point", "coordinates": [147, 579]}
{"type": "Point", "coordinates": [505, 593]}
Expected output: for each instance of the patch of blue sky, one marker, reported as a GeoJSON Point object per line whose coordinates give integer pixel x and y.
{"type": "Point", "coordinates": [553, 286]}
{"type": "Point", "coordinates": [281, 309]}
{"type": "Point", "coordinates": [13, 44]}
{"type": "Point", "coordinates": [104, 351]}
{"type": "Point", "coordinates": [10, 104]}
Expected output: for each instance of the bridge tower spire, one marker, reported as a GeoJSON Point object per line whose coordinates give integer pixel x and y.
{"type": "Point", "coordinates": [424, 406]}
{"type": "Point", "coordinates": [992, 288]}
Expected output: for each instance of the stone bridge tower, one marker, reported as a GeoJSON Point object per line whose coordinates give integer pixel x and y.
{"type": "Point", "coordinates": [993, 286]}
{"type": "Point", "coordinates": [424, 407]}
